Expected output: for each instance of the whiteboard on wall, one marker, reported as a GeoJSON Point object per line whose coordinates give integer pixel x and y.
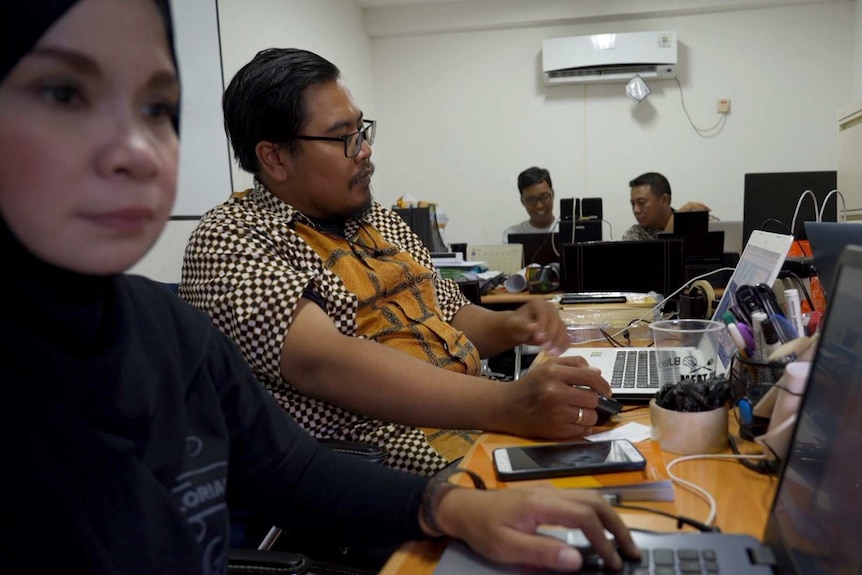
{"type": "Point", "coordinates": [204, 176]}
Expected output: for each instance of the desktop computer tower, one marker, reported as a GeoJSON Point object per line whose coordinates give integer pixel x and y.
{"type": "Point", "coordinates": [637, 266]}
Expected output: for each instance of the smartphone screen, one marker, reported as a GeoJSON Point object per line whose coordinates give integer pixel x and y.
{"type": "Point", "coordinates": [561, 459]}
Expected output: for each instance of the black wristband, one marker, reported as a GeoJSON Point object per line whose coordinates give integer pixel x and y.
{"type": "Point", "coordinates": [435, 490]}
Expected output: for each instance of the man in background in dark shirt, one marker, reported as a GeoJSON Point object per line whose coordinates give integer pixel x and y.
{"type": "Point", "coordinates": [651, 206]}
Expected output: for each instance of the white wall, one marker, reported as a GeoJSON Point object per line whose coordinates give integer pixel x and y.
{"type": "Point", "coordinates": [857, 53]}
{"type": "Point", "coordinates": [462, 113]}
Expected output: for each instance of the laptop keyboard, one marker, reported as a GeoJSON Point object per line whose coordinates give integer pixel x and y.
{"type": "Point", "coordinates": [660, 561]}
{"type": "Point", "coordinates": [635, 370]}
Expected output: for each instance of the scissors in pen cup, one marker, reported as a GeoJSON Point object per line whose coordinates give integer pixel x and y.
{"type": "Point", "coordinates": [768, 299]}
{"type": "Point", "coordinates": [759, 297]}
{"type": "Point", "coordinates": [748, 300]}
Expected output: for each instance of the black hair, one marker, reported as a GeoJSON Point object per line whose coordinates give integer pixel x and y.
{"type": "Point", "coordinates": [657, 183]}
{"type": "Point", "coordinates": [265, 100]}
{"type": "Point", "coordinates": [533, 176]}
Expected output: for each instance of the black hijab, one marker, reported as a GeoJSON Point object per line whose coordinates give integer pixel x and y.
{"type": "Point", "coordinates": [22, 23]}
{"type": "Point", "coordinates": [59, 305]}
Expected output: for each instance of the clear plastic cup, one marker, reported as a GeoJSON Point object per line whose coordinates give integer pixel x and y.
{"type": "Point", "coordinates": [686, 349]}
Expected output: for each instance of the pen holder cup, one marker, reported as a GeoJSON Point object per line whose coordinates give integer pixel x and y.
{"type": "Point", "coordinates": [688, 433]}
{"type": "Point", "coordinates": [544, 279]}
{"type": "Point", "coordinates": [753, 378]}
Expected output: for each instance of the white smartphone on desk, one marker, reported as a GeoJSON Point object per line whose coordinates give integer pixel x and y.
{"type": "Point", "coordinates": [562, 459]}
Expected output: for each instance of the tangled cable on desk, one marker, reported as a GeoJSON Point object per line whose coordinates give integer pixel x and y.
{"type": "Point", "coordinates": [693, 395]}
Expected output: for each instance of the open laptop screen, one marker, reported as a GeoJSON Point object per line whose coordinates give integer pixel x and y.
{"type": "Point", "coordinates": [542, 249]}
{"type": "Point", "coordinates": [760, 262]}
{"type": "Point", "coordinates": [828, 240]}
{"type": "Point", "coordinates": [816, 521]}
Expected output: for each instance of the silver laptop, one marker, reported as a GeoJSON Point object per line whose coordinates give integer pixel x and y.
{"type": "Point", "coordinates": [815, 522]}
{"type": "Point", "coordinates": [632, 372]}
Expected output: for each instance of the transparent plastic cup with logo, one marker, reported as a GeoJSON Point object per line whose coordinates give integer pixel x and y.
{"type": "Point", "coordinates": [686, 349]}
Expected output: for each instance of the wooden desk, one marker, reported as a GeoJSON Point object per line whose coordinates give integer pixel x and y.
{"type": "Point", "coordinates": [743, 499]}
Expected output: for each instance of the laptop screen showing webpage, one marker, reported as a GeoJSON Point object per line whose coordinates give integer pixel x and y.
{"type": "Point", "coordinates": [816, 521]}
{"type": "Point", "coordinates": [760, 262]}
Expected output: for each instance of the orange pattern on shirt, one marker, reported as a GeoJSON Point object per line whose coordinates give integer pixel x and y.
{"type": "Point", "coordinates": [397, 303]}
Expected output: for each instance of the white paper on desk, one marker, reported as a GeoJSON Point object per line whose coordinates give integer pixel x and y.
{"type": "Point", "coordinates": [518, 282]}
{"type": "Point", "coordinates": [632, 431]}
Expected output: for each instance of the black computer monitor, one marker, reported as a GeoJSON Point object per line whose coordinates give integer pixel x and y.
{"type": "Point", "coordinates": [637, 266]}
{"type": "Point", "coordinates": [774, 196]}
{"type": "Point", "coordinates": [540, 249]}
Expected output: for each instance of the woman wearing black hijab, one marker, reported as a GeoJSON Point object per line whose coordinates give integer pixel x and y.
{"type": "Point", "coordinates": [129, 422]}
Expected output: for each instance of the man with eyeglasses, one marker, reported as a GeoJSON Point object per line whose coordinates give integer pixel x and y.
{"type": "Point", "coordinates": [537, 197]}
{"type": "Point", "coordinates": [335, 301]}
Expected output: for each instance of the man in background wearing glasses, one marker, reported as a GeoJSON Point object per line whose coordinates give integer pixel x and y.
{"type": "Point", "coordinates": [537, 197]}
{"type": "Point", "coordinates": [334, 300]}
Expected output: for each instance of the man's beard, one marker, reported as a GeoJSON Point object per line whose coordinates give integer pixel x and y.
{"type": "Point", "coordinates": [363, 210]}
{"type": "Point", "coordinates": [360, 212]}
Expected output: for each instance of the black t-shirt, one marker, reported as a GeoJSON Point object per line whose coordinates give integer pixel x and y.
{"type": "Point", "coordinates": [130, 423]}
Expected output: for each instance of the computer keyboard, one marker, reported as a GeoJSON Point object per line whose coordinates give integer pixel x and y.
{"type": "Point", "coordinates": [658, 561]}
{"type": "Point", "coordinates": [636, 369]}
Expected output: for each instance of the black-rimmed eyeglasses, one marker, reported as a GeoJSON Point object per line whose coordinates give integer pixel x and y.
{"type": "Point", "coordinates": [544, 197]}
{"type": "Point", "coordinates": [352, 142]}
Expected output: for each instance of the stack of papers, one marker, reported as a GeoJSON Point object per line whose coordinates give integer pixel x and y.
{"type": "Point", "coordinates": [458, 263]}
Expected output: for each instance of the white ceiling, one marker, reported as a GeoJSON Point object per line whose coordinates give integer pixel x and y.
{"type": "Point", "coordinates": [385, 3]}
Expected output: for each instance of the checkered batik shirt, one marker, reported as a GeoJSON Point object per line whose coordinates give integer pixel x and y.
{"type": "Point", "coordinates": [639, 234]}
{"type": "Point", "coordinates": [247, 267]}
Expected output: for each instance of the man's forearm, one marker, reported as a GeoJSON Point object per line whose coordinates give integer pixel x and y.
{"type": "Point", "coordinates": [370, 378]}
{"type": "Point", "coordinates": [485, 328]}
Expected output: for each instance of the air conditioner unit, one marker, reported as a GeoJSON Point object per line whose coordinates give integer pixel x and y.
{"type": "Point", "coordinates": [609, 57]}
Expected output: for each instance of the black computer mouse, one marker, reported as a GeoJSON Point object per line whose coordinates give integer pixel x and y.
{"type": "Point", "coordinates": [607, 407]}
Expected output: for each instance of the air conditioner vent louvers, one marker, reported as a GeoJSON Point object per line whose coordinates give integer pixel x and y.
{"type": "Point", "coordinates": [603, 71]}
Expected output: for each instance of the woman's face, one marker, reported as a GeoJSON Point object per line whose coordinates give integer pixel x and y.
{"type": "Point", "coordinates": [89, 154]}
